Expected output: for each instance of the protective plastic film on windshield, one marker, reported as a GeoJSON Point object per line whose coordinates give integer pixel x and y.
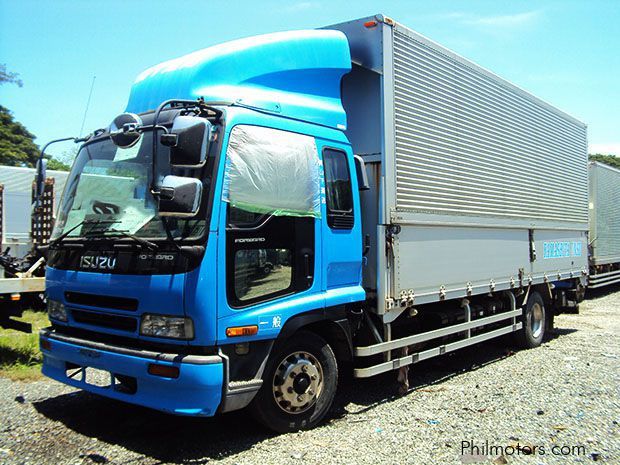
{"type": "Point", "coordinates": [273, 172]}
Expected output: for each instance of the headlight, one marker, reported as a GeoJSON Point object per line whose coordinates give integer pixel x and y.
{"type": "Point", "coordinates": [167, 326]}
{"type": "Point", "coordinates": [56, 310]}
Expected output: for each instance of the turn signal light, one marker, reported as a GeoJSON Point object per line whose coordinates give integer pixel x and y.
{"type": "Point", "coordinates": [46, 344]}
{"type": "Point", "coordinates": [242, 331]}
{"type": "Point", "coordinates": [163, 370]}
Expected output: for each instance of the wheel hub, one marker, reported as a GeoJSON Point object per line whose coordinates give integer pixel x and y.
{"type": "Point", "coordinates": [301, 383]}
{"type": "Point", "coordinates": [298, 382]}
{"type": "Point", "coordinates": [536, 320]}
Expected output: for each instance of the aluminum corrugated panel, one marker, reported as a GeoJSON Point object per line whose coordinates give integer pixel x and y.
{"type": "Point", "coordinates": [17, 179]}
{"type": "Point", "coordinates": [17, 182]}
{"type": "Point", "coordinates": [470, 144]}
{"type": "Point", "coordinates": [605, 219]}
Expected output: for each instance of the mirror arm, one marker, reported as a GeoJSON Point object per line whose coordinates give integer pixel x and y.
{"type": "Point", "coordinates": [64, 139]}
{"type": "Point", "coordinates": [77, 140]}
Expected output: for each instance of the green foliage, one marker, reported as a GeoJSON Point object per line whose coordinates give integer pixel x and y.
{"type": "Point", "coordinates": [67, 157]}
{"type": "Point", "coordinates": [17, 147]}
{"type": "Point", "coordinates": [8, 77]}
{"type": "Point", "coordinates": [610, 160]}
{"type": "Point", "coordinates": [53, 164]}
{"type": "Point", "coordinates": [20, 357]}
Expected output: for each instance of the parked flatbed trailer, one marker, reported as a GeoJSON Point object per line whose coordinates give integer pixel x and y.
{"type": "Point", "coordinates": [24, 227]}
{"type": "Point", "coordinates": [13, 289]}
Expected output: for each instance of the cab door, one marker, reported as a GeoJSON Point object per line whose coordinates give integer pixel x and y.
{"type": "Point", "coordinates": [342, 243]}
{"type": "Point", "coordinates": [269, 261]}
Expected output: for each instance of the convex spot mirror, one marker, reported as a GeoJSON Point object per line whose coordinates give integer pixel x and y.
{"type": "Point", "coordinates": [179, 196]}
{"type": "Point", "coordinates": [123, 130]}
{"type": "Point", "coordinates": [188, 141]}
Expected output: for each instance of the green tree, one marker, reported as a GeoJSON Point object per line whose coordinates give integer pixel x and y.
{"type": "Point", "coordinates": [8, 77]}
{"type": "Point", "coordinates": [17, 147]}
{"type": "Point", "coordinates": [608, 159]}
{"type": "Point", "coordinates": [53, 164]}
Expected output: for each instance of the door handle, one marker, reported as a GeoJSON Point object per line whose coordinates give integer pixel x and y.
{"type": "Point", "coordinates": [366, 245]}
{"type": "Point", "coordinates": [307, 268]}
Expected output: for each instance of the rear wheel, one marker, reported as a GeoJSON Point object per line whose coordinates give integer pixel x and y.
{"type": "Point", "coordinates": [534, 322]}
{"type": "Point", "coordinates": [299, 384]}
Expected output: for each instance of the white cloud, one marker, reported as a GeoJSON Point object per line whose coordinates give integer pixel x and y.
{"type": "Point", "coordinates": [503, 21]}
{"type": "Point", "coordinates": [301, 6]}
{"type": "Point", "coordinates": [556, 78]}
{"type": "Point", "coordinates": [609, 148]}
{"type": "Point", "coordinates": [497, 23]}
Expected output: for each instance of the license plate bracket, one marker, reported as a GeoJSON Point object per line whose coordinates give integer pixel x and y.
{"type": "Point", "coordinates": [97, 377]}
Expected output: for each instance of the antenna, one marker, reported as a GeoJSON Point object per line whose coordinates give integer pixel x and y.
{"type": "Point", "coordinates": [87, 105]}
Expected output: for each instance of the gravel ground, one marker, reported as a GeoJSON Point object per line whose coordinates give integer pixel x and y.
{"type": "Point", "coordinates": [563, 395]}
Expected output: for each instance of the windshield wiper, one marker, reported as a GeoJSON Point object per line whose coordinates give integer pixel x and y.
{"type": "Point", "coordinates": [169, 234]}
{"type": "Point", "coordinates": [81, 223]}
{"type": "Point", "coordinates": [120, 232]}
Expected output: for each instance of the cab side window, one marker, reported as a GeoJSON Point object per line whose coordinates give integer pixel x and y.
{"type": "Point", "coordinates": [260, 273]}
{"type": "Point", "coordinates": [338, 189]}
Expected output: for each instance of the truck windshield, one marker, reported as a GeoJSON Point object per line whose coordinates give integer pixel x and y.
{"type": "Point", "coordinates": [108, 193]}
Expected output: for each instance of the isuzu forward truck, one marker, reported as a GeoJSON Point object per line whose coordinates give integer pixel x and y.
{"type": "Point", "coordinates": [273, 213]}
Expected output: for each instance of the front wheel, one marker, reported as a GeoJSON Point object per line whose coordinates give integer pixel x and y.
{"type": "Point", "coordinates": [299, 385]}
{"type": "Point", "coordinates": [534, 322]}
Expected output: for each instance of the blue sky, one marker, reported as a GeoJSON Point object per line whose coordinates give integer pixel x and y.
{"type": "Point", "coordinates": [565, 51]}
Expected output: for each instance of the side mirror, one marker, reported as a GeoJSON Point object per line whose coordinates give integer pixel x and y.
{"type": "Point", "coordinates": [179, 196]}
{"type": "Point", "coordinates": [362, 176]}
{"type": "Point", "coordinates": [41, 177]}
{"type": "Point", "coordinates": [41, 167]}
{"type": "Point", "coordinates": [188, 141]}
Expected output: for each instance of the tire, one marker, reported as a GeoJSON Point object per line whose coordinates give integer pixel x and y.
{"type": "Point", "coordinates": [534, 322]}
{"type": "Point", "coordinates": [306, 400]}
{"type": "Point", "coordinates": [550, 322]}
{"type": "Point", "coordinates": [40, 301]}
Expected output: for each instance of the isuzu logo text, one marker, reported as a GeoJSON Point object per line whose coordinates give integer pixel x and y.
{"type": "Point", "coordinates": [96, 262]}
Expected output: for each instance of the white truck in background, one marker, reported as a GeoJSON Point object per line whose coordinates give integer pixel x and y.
{"type": "Point", "coordinates": [604, 241]}
{"type": "Point", "coordinates": [22, 229]}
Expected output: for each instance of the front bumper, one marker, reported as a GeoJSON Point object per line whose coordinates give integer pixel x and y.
{"type": "Point", "coordinates": [196, 391]}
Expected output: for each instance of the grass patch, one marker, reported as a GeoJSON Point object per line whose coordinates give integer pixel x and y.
{"type": "Point", "coordinates": [20, 357]}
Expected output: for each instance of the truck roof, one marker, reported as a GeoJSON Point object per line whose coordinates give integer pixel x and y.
{"type": "Point", "coordinates": [295, 74]}
{"type": "Point", "coordinates": [600, 164]}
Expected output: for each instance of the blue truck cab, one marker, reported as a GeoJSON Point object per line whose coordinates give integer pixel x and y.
{"type": "Point", "coordinates": [208, 248]}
